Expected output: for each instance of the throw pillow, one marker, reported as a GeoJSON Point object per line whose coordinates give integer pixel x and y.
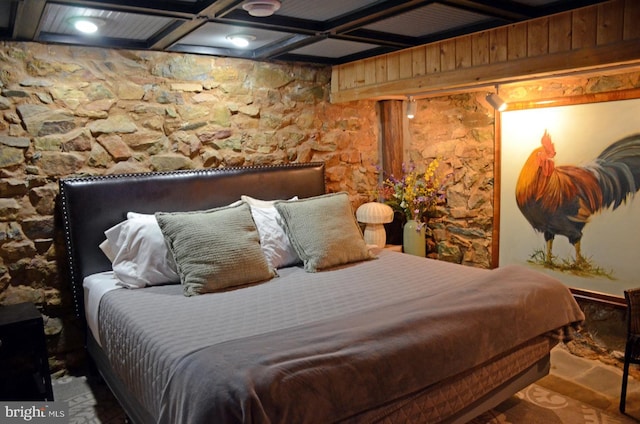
{"type": "Point", "coordinates": [215, 249]}
{"type": "Point", "coordinates": [323, 231]}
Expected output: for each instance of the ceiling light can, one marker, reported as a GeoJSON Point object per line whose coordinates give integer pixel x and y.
{"type": "Point", "coordinates": [86, 24]}
{"type": "Point", "coordinates": [240, 40]}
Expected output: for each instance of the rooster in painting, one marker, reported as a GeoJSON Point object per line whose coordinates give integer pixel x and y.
{"type": "Point", "coordinates": [559, 200]}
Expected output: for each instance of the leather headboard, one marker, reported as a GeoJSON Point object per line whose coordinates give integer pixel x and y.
{"type": "Point", "coordinates": [91, 205]}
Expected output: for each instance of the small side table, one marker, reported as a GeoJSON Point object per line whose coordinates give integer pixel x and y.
{"type": "Point", "coordinates": [394, 247]}
{"type": "Point", "coordinates": [24, 363]}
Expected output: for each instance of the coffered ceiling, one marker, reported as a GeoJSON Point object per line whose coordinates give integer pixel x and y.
{"type": "Point", "coordinates": [324, 32]}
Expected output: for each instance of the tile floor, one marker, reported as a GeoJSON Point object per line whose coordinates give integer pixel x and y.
{"type": "Point", "coordinates": [605, 380]}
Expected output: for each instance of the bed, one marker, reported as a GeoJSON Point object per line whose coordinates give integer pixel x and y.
{"type": "Point", "coordinates": [339, 333]}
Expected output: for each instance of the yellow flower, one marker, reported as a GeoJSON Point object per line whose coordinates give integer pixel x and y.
{"type": "Point", "coordinates": [415, 194]}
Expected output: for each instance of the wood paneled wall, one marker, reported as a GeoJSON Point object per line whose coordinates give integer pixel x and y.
{"type": "Point", "coordinates": [594, 37]}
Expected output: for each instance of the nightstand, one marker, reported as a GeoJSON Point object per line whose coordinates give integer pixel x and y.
{"type": "Point", "coordinates": [24, 363]}
{"type": "Point", "coordinates": [394, 247]}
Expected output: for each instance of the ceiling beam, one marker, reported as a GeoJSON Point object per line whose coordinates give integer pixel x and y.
{"type": "Point", "coordinates": [162, 8]}
{"type": "Point", "coordinates": [219, 8]}
{"type": "Point", "coordinates": [372, 14]}
{"type": "Point", "coordinates": [274, 22]}
{"type": "Point", "coordinates": [292, 43]}
{"type": "Point", "coordinates": [28, 19]}
{"type": "Point", "coordinates": [495, 8]}
{"type": "Point", "coordinates": [626, 53]}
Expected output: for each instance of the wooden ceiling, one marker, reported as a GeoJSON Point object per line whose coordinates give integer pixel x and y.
{"type": "Point", "coordinates": [327, 32]}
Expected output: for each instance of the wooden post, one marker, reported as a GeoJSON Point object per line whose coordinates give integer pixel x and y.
{"type": "Point", "coordinates": [392, 130]}
{"type": "Point", "coordinates": [391, 156]}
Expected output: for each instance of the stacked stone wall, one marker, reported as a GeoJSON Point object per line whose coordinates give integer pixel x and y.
{"type": "Point", "coordinates": [459, 130]}
{"type": "Point", "coordinates": [70, 111]}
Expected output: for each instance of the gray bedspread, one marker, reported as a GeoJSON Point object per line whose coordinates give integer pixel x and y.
{"type": "Point", "coordinates": [318, 348]}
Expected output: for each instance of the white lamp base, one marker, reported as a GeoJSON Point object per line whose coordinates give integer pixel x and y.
{"type": "Point", "coordinates": [375, 234]}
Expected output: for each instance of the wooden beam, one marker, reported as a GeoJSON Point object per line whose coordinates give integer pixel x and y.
{"type": "Point", "coordinates": [26, 26]}
{"type": "Point", "coordinates": [590, 58]}
{"type": "Point", "coordinates": [391, 121]}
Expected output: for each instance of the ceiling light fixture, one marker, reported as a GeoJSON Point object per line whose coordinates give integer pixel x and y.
{"type": "Point", "coordinates": [261, 8]}
{"type": "Point", "coordinates": [411, 108]}
{"type": "Point", "coordinates": [240, 40]}
{"type": "Point", "coordinates": [496, 102]}
{"type": "Point", "coordinates": [86, 24]}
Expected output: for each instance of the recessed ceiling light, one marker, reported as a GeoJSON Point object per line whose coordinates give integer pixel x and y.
{"type": "Point", "coordinates": [240, 40]}
{"type": "Point", "coordinates": [261, 8]}
{"type": "Point", "coordinates": [86, 24]}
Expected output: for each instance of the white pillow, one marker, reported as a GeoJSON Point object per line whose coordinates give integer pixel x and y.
{"type": "Point", "coordinates": [274, 241]}
{"type": "Point", "coordinates": [106, 248]}
{"type": "Point", "coordinates": [140, 255]}
{"type": "Point", "coordinates": [138, 252]}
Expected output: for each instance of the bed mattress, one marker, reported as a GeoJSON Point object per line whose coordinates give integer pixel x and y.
{"type": "Point", "coordinates": [156, 337]}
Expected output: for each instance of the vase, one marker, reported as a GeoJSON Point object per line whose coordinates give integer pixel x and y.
{"type": "Point", "coordinates": [413, 240]}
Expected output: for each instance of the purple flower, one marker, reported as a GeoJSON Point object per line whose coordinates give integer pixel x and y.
{"type": "Point", "coordinates": [416, 194]}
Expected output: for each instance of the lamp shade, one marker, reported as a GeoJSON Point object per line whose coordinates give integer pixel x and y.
{"type": "Point", "coordinates": [411, 108]}
{"type": "Point", "coordinates": [375, 214]}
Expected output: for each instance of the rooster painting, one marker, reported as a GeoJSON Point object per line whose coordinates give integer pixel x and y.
{"type": "Point", "coordinates": [560, 199]}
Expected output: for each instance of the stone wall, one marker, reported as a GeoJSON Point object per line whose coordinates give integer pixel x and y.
{"type": "Point", "coordinates": [69, 111]}
{"type": "Point", "coordinates": [84, 111]}
{"type": "Point", "coordinates": [459, 131]}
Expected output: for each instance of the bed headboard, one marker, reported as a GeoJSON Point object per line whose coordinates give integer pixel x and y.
{"type": "Point", "coordinates": [91, 205]}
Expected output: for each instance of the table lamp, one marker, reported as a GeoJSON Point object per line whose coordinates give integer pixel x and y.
{"type": "Point", "coordinates": [374, 215]}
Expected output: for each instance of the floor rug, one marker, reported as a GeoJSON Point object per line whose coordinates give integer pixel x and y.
{"type": "Point", "coordinates": [538, 405]}
{"type": "Point", "coordinates": [93, 403]}
{"type": "Point", "coordinates": [89, 402]}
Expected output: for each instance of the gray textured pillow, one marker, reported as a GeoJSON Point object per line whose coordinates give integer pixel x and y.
{"type": "Point", "coordinates": [323, 231]}
{"type": "Point", "coordinates": [215, 249]}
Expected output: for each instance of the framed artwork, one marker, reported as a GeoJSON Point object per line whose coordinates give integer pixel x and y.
{"type": "Point", "coordinates": [567, 201]}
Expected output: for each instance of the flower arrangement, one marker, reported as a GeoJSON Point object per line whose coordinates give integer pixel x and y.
{"type": "Point", "coordinates": [415, 194]}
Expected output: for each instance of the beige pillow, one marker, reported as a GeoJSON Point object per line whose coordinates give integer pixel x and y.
{"type": "Point", "coordinates": [215, 249]}
{"type": "Point", "coordinates": [323, 231]}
